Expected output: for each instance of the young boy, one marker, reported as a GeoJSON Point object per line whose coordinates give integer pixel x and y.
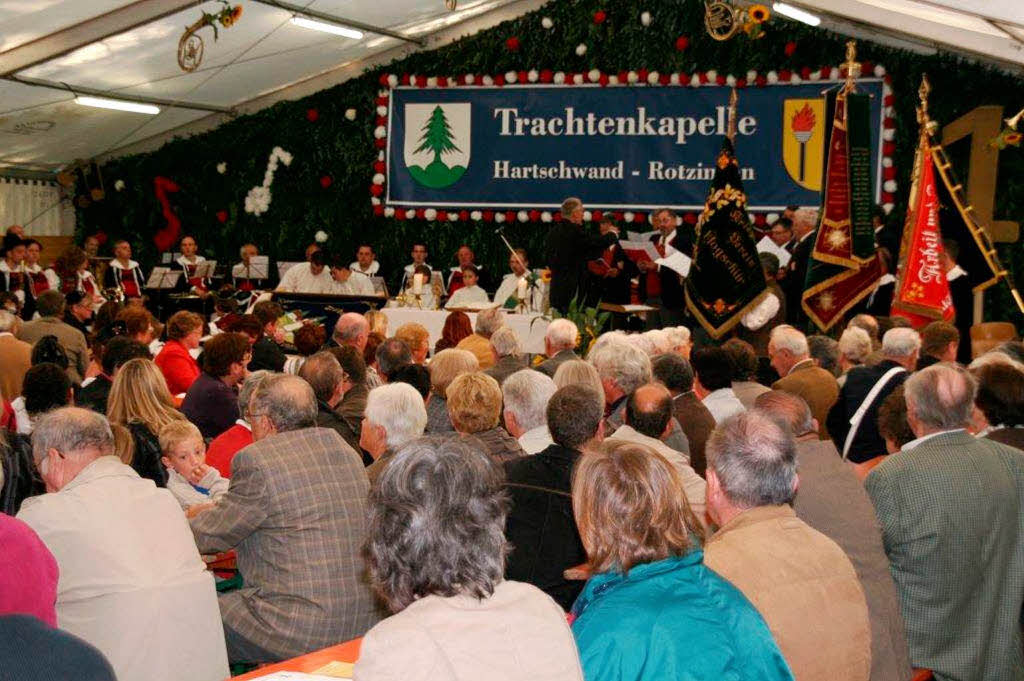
{"type": "Point", "coordinates": [189, 479]}
{"type": "Point", "coordinates": [470, 295]}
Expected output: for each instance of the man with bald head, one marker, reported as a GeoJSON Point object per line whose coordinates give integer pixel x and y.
{"type": "Point", "coordinates": [648, 422]}
{"type": "Point", "coordinates": [352, 330]}
{"type": "Point", "coordinates": [296, 507]}
{"type": "Point", "coordinates": [832, 500]}
{"type": "Point", "coordinates": [951, 507]}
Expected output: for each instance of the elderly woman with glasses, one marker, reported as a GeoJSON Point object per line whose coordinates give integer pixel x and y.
{"type": "Point", "coordinates": [436, 555]}
{"type": "Point", "coordinates": [652, 610]}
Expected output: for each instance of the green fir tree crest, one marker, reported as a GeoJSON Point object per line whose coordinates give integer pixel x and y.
{"type": "Point", "coordinates": [437, 138]}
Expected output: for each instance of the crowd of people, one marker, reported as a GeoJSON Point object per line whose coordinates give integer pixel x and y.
{"type": "Point", "coordinates": [641, 507]}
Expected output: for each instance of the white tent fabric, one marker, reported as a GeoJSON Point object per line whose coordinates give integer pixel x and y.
{"type": "Point", "coordinates": [264, 54]}
{"type": "Point", "coordinates": [37, 204]}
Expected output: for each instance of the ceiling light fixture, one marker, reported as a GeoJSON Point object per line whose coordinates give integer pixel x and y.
{"type": "Point", "coordinates": [334, 29]}
{"type": "Point", "coordinates": [796, 13]}
{"type": "Point", "coordinates": [118, 104]}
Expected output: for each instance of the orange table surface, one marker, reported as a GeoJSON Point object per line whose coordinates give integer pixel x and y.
{"type": "Point", "coordinates": [309, 663]}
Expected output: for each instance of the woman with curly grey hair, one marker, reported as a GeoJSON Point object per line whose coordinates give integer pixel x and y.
{"type": "Point", "coordinates": [436, 550]}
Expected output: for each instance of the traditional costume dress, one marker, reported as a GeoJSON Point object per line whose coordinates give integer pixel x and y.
{"type": "Point", "coordinates": [127, 277]}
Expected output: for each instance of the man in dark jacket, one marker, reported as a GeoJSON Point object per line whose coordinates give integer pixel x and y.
{"type": "Point", "coordinates": [117, 351]}
{"type": "Point", "coordinates": [804, 229]}
{"type": "Point", "coordinates": [266, 353]}
{"type": "Point", "coordinates": [541, 526]}
{"type": "Point", "coordinates": [863, 393]}
{"type": "Point", "coordinates": [697, 422]}
{"type": "Point", "coordinates": [353, 401]}
{"type": "Point", "coordinates": [569, 248]}
{"type": "Point", "coordinates": [324, 374]}
{"type": "Point", "coordinates": [961, 290]}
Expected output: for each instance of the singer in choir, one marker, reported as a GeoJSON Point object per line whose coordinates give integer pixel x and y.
{"type": "Point", "coordinates": [469, 294]}
{"type": "Point", "coordinates": [124, 274]}
{"type": "Point", "coordinates": [610, 274]}
{"type": "Point", "coordinates": [366, 261]}
{"type": "Point", "coordinates": [70, 272]}
{"type": "Point", "coordinates": [465, 257]}
{"type": "Point", "coordinates": [188, 261]}
{"type": "Point", "coordinates": [419, 258]}
{"type": "Point", "coordinates": [515, 287]}
{"type": "Point", "coordinates": [242, 276]}
{"type": "Point", "coordinates": [312, 276]}
{"type": "Point", "coordinates": [348, 282]}
{"type": "Point", "coordinates": [12, 267]}
{"type": "Point", "coordinates": [37, 278]}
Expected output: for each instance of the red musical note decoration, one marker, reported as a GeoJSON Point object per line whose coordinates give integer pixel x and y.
{"type": "Point", "coordinates": [166, 237]}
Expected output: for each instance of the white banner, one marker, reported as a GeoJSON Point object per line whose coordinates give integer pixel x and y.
{"type": "Point", "coordinates": [37, 206]}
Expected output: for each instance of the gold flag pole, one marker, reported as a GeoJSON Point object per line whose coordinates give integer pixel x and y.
{"type": "Point", "coordinates": [852, 67]}
{"type": "Point", "coordinates": [730, 130]}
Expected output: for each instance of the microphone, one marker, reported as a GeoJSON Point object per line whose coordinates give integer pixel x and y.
{"type": "Point", "coordinates": [501, 228]}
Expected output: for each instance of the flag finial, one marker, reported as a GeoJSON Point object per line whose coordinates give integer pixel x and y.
{"type": "Point", "coordinates": [731, 128]}
{"type": "Point", "coordinates": [926, 123]}
{"type": "Point", "coordinates": [852, 65]}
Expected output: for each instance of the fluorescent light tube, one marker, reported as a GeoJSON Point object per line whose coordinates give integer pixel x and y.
{"type": "Point", "coordinates": [118, 104]}
{"type": "Point", "coordinates": [796, 13]}
{"type": "Point", "coordinates": [305, 22]}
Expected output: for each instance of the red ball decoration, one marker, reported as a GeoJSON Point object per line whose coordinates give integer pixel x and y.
{"type": "Point", "coordinates": [381, 101]}
{"type": "Point", "coordinates": [383, 80]}
{"type": "Point", "coordinates": [639, 217]}
{"type": "Point", "coordinates": [603, 79]}
{"type": "Point", "coordinates": [326, 181]}
{"type": "Point", "coordinates": [597, 215]}
{"type": "Point", "coordinates": [463, 215]}
{"type": "Point", "coordinates": [405, 80]}
{"type": "Point", "coordinates": [534, 215]}
{"type": "Point", "coordinates": [442, 81]}
{"type": "Point", "coordinates": [488, 216]}
{"type": "Point", "coordinates": [690, 218]}
{"type": "Point", "coordinates": [421, 81]}
{"type": "Point", "coordinates": [805, 73]}
{"type": "Point", "coordinates": [380, 143]}
{"type": "Point", "coordinates": [600, 16]}
{"type": "Point", "coordinates": [375, 189]}
{"type": "Point", "coordinates": [785, 75]}
{"type": "Point", "coordinates": [888, 148]}
{"type": "Point", "coordinates": [101, 237]}
{"type": "Point", "coordinates": [512, 44]}
{"type": "Point", "coordinates": [312, 115]}
{"type": "Point", "coordinates": [499, 79]}
{"type": "Point", "coordinates": [741, 83]}
{"type": "Point", "coordinates": [442, 215]}
{"type": "Point", "coordinates": [557, 217]}
{"type": "Point", "coordinates": [399, 213]}
{"type": "Point", "coordinates": [378, 210]}
{"type": "Point", "coordinates": [379, 167]}
{"type": "Point", "coordinates": [682, 42]}
{"type": "Point", "coordinates": [617, 215]}
{"type": "Point", "coordinates": [790, 48]}
{"type": "Point", "coordinates": [889, 173]}
{"type": "Point", "coordinates": [642, 75]}
{"type": "Point", "coordinates": [222, 216]}
{"type": "Point", "coordinates": [510, 216]}
{"type": "Point", "coordinates": [760, 81]}
{"type": "Point", "coordinates": [702, 77]}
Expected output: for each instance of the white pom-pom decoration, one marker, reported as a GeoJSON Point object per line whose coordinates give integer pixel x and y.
{"type": "Point", "coordinates": [511, 77]}
{"type": "Point", "coordinates": [470, 79]}
{"type": "Point", "coordinates": [545, 216]}
{"type": "Point", "coordinates": [453, 216]}
{"type": "Point", "coordinates": [633, 77]}
{"type": "Point", "coordinates": [771, 217]}
{"type": "Point", "coordinates": [222, 167]}
{"type": "Point", "coordinates": [730, 80]}
{"type": "Point", "coordinates": [350, 114]}
{"type": "Point", "coordinates": [119, 185]}
{"type": "Point", "coordinates": [374, 200]}
{"type": "Point", "coordinates": [577, 78]}
{"type": "Point", "coordinates": [432, 81]}
{"type": "Point", "coordinates": [694, 80]}
{"type": "Point", "coordinates": [795, 78]}
{"type": "Point", "coordinates": [378, 178]}
{"type": "Point", "coordinates": [886, 90]}
{"type": "Point", "coordinates": [389, 212]}
{"type": "Point", "coordinates": [652, 78]}
{"type": "Point", "coordinates": [393, 80]}
{"type": "Point", "coordinates": [712, 76]}
{"type": "Point", "coordinates": [627, 216]}
{"type": "Point", "coordinates": [834, 73]}
{"type": "Point", "coordinates": [674, 79]}
{"type": "Point", "coordinates": [887, 207]}
{"type": "Point", "coordinates": [320, 236]}
{"type": "Point", "coordinates": [772, 77]}
{"type": "Point", "coordinates": [593, 75]}
{"type": "Point", "coordinates": [815, 75]}
{"type": "Point", "coordinates": [887, 162]}
{"type": "Point", "coordinates": [889, 134]}
{"type": "Point", "coordinates": [380, 132]}
{"type": "Point", "coordinates": [581, 49]}
{"type": "Point", "coordinates": [645, 18]}
{"type": "Point", "coordinates": [879, 71]}
{"type": "Point", "coordinates": [532, 75]}
{"type": "Point", "coordinates": [889, 186]}
{"type": "Point", "coordinates": [382, 111]}
{"type": "Point", "coordinates": [430, 214]}
{"type": "Point", "coordinates": [523, 216]}
{"type": "Point", "coordinates": [547, 23]}
{"type": "Point", "coordinates": [476, 215]}
{"type": "Point", "coordinates": [613, 80]}
{"type": "Point", "coordinates": [487, 80]}
{"type": "Point", "coordinates": [587, 216]}
{"type": "Point", "coordinates": [559, 77]}
{"type": "Point", "coordinates": [751, 76]}
{"type": "Point", "coordinates": [499, 217]}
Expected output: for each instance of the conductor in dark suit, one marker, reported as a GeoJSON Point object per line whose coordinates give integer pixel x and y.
{"type": "Point", "coordinates": [803, 228]}
{"type": "Point", "coordinates": [569, 249]}
{"type": "Point", "coordinates": [960, 289]}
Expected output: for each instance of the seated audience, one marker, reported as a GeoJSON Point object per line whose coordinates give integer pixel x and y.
{"type": "Point", "coordinates": [373, 377]}
{"type": "Point", "coordinates": [128, 564]}
{"type": "Point", "coordinates": [266, 351]}
{"type": "Point", "coordinates": [854, 348]}
{"type": "Point", "coordinates": [712, 382]}
{"type": "Point", "coordinates": [416, 375]}
{"type": "Point", "coordinates": [189, 478]}
{"type": "Point", "coordinates": [508, 355]}
{"type": "Point", "coordinates": [999, 405]}
{"type": "Point", "coordinates": [394, 416]}
{"type": "Point", "coordinates": [212, 401]}
{"type": "Point", "coordinates": [526, 394]}
{"type": "Point", "coordinates": [436, 555]}
{"type": "Point", "coordinates": [790, 356]}
{"type": "Point", "coordinates": [863, 392]}
{"type": "Point", "coordinates": [444, 368]}
{"type": "Point", "coordinates": [540, 526]}
{"type": "Point", "coordinates": [679, 338]}
{"type": "Point", "coordinates": [648, 415]}
{"type": "Point", "coordinates": [469, 295]}
{"type": "Point", "coordinates": [579, 372]}
{"type": "Point", "coordinates": [417, 338]}
{"type": "Point", "coordinates": [308, 340]}
{"type": "Point", "coordinates": [378, 321]}
{"type": "Point", "coordinates": [951, 508]}
{"type": "Point", "coordinates": [832, 500]}
{"type": "Point", "coordinates": [15, 356]}
{"type": "Point", "coordinates": [50, 306]}
{"type": "Point", "coordinates": [390, 355]}
{"type": "Point", "coordinates": [559, 345]}
{"type": "Point", "coordinates": [48, 350]}
{"type": "Point", "coordinates": [622, 368]}
{"type": "Point", "coordinates": [474, 406]}
{"type": "Point", "coordinates": [892, 423]}
{"type": "Point", "coordinates": [32, 649]}
{"type": "Point", "coordinates": [456, 327]}
{"type": "Point", "coordinates": [675, 373]}
{"type": "Point", "coordinates": [138, 408]}
{"type": "Point", "coordinates": [140, 325]}
{"type": "Point", "coordinates": [180, 369]}
{"type": "Point", "coordinates": [78, 311]}
{"type": "Point", "coordinates": [798, 579]}
{"type": "Point", "coordinates": [47, 387]}
{"type": "Point", "coordinates": [294, 512]}
{"type": "Point", "coordinates": [223, 448]}
{"type": "Point", "coordinates": [352, 330]}
{"type": "Point", "coordinates": [825, 352]}
{"type": "Point", "coordinates": [744, 372]}
{"type": "Point", "coordinates": [116, 352]}
{"type": "Point", "coordinates": [651, 609]}
{"type": "Point", "coordinates": [324, 374]}
{"type": "Point", "coordinates": [940, 342]}
{"type": "Point", "coordinates": [479, 343]}
{"type": "Point", "coordinates": [353, 401]}
{"type": "Point", "coordinates": [28, 574]}
{"type": "Point", "coordinates": [19, 477]}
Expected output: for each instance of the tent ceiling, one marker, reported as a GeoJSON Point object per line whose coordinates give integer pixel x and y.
{"type": "Point", "coordinates": [263, 53]}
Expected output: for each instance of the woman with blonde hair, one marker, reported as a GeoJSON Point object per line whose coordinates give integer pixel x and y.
{"type": "Point", "coordinates": [578, 372]}
{"type": "Point", "coordinates": [139, 406]}
{"type": "Point", "coordinates": [378, 321]}
{"type": "Point", "coordinates": [446, 366]}
{"type": "Point", "coordinates": [649, 589]}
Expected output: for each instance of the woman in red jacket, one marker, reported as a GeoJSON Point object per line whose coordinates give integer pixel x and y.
{"type": "Point", "coordinates": [180, 369]}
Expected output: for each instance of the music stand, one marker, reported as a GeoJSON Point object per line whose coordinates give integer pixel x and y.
{"type": "Point", "coordinates": [162, 279]}
{"type": "Point", "coordinates": [205, 269]}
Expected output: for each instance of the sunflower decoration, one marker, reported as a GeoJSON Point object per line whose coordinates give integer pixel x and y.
{"type": "Point", "coordinates": [190, 45]}
{"type": "Point", "coordinates": [756, 17]}
{"type": "Point", "coordinates": [229, 15]}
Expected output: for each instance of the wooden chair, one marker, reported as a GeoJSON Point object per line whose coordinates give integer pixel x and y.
{"type": "Point", "coordinates": [989, 335]}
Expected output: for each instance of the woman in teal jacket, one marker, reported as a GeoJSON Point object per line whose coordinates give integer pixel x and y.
{"type": "Point", "coordinates": [652, 611]}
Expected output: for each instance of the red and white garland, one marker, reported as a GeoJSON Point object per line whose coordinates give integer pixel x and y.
{"type": "Point", "coordinates": [641, 77]}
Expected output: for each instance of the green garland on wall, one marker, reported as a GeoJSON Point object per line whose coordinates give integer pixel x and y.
{"type": "Point", "coordinates": [326, 187]}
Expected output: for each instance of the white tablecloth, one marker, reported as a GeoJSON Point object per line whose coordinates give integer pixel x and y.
{"type": "Point", "coordinates": [531, 333]}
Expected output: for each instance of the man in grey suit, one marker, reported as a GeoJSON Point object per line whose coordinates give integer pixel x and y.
{"type": "Point", "coordinates": [50, 305]}
{"type": "Point", "coordinates": [296, 513]}
{"type": "Point", "coordinates": [832, 500]}
{"type": "Point", "coordinates": [559, 345]}
{"type": "Point", "coordinates": [951, 507]}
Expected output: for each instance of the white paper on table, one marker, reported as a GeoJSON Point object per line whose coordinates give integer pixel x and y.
{"type": "Point", "coordinates": [766, 245]}
{"type": "Point", "coordinates": [637, 308]}
{"type": "Point", "coordinates": [640, 236]}
{"type": "Point", "coordinates": [296, 676]}
{"type": "Point", "coordinates": [678, 262]}
{"type": "Point", "coordinates": [283, 267]}
{"type": "Point", "coordinates": [640, 246]}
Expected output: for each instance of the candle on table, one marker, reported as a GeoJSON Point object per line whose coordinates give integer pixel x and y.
{"type": "Point", "coordinates": [417, 284]}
